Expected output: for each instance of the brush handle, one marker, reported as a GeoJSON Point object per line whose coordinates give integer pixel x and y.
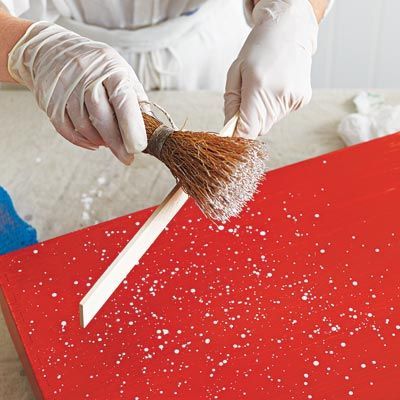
{"type": "Point", "coordinates": [140, 243]}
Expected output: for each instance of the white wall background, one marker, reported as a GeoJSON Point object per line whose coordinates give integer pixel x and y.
{"type": "Point", "coordinates": [359, 46]}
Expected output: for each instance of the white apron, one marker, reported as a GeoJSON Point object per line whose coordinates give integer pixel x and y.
{"type": "Point", "coordinates": [184, 53]}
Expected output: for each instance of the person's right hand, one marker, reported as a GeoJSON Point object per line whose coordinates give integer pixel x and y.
{"type": "Point", "coordinates": [89, 92]}
{"type": "Point", "coordinates": [272, 74]}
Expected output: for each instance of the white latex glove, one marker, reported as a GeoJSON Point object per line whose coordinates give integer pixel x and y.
{"type": "Point", "coordinates": [272, 74]}
{"type": "Point", "coordinates": [89, 92]}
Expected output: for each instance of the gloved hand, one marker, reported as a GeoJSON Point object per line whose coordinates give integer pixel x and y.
{"type": "Point", "coordinates": [271, 75]}
{"type": "Point", "coordinates": [89, 92]}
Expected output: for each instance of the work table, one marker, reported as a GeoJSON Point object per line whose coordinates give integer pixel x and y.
{"type": "Point", "coordinates": [59, 188]}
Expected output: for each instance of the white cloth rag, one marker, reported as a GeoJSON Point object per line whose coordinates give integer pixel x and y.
{"type": "Point", "coordinates": [373, 119]}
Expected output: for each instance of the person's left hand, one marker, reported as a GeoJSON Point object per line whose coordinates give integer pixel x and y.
{"type": "Point", "coordinates": [272, 74]}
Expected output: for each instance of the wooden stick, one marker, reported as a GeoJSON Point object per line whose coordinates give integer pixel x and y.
{"type": "Point", "coordinates": [136, 248]}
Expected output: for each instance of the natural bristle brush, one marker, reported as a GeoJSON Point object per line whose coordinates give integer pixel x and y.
{"type": "Point", "coordinates": [220, 173]}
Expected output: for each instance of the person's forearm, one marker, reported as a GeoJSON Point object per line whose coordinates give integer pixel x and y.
{"type": "Point", "coordinates": [11, 30]}
{"type": "Point", "coordinates": [319, 7]}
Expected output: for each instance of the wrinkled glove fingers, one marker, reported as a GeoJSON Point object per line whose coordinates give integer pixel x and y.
{"type": "Point", "coordinates": [255, 117]}
{"type": "Point", "coordinates": [124, 94]}
{"type": "Point", "coordinates": [81, 121]}
{"type": "Point", "coordinates": [232, 95]}
{"type": "Point", "coordinates": [102, 117]}
{"type": "Point", "coordinates": [243, 99]}
{"type": "Point", "coordinates": [67, 131]}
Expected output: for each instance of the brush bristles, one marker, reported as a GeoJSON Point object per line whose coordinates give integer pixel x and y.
{"type": "Point", "coordinates": [221, 174]}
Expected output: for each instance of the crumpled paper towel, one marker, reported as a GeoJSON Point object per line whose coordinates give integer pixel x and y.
{"type": "Point", "coordinates": [373, 119]}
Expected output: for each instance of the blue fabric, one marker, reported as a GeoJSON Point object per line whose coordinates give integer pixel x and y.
{"type": "Point", "coordinates": [14, 232]}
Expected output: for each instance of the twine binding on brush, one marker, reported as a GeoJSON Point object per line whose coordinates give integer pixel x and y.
{"type": "Point", "coordinates": [161, 134]}
{"type": "Point", "coordinates": [162, 109]}
{"type": "Point", "coordinates": [157, 140]}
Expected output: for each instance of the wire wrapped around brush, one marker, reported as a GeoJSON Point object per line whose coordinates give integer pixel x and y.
{"type": "Point", "coordinates": [220, 173]}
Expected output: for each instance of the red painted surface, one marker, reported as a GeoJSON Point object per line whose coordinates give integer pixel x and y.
{"type": "Point", "coordinates": [298, 299]}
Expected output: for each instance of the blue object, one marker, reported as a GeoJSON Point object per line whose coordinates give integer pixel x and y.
{"type": "Point", "coordinates": [15, 233]}
{"type": "Point", "coordinates": [190, 12]}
